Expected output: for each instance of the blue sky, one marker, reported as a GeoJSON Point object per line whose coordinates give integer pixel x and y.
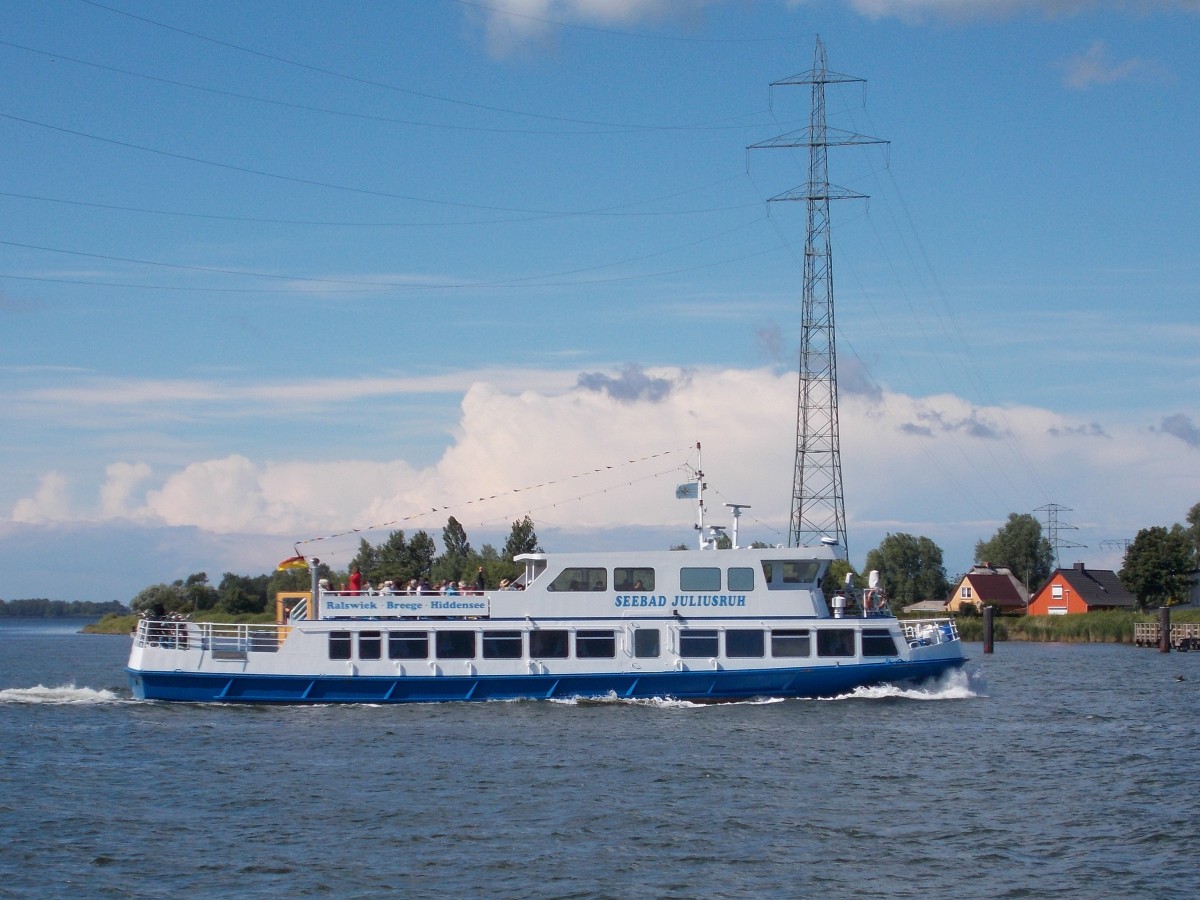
{"type": "Point", "coordinates": [273, 272]}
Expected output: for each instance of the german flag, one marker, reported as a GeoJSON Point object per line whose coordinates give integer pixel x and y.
{"type": "Point", "coordinates": [292, 562]}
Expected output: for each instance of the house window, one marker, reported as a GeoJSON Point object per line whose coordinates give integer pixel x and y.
{"type": "Point", "coordinates": [965, 592]}
{"type": "Point", "coordinates": [1056, 592]}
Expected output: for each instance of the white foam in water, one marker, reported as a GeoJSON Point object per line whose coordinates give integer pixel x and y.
{"type": "Point", "coordinates": [954, 685]}
{"type": "Point", "coordinates": [66, 694]}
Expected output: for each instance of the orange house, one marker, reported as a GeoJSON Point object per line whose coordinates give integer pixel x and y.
{"type": "Point", "coordinates": [1079, 590]}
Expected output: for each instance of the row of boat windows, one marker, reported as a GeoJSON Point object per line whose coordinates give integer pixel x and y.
{"type": "Point", "coordinates": [776, 573]}
{"type": "Point", "coordinates": [550, 643]}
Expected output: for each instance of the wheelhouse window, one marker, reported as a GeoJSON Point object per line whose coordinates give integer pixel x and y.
{"type": "Point", "coordinates": [790, 574]}
{"type": "Point", "coordinates": [455, 644]}
{"type": "Point", "coordinates": [502, 645]}
{"type": "Point", "coordinates": [408, 645]}
{"type": "Point", "coordinates": [878, 642]}
{"type": "Point", "coordinates": [339, 645]}
{"type": "Point", "coordinates": [741, 578]}
{"type": "Point", "coordinates": [790, 642]}
{"type": "Point", "coordinates": [370, 645]}
{"type": "Point", "coordinates": [580, 578]}
{"type": "Point", "coordinates": [595, 645]}
{"type": "Point", "coordinates": [835, 642]}
{"type": "Point", "coordinates": [548, 643]}
{"type": "Point", "coordinates": [700, 578]}
{"type": "Point", "coordinates": [744, 643]}
{"type": "Point", "coordinates": [637, 579]}
{"type": "Point", "coordinates": [697, 642]}
{"type": "Point", "coordinates": [647, 643]}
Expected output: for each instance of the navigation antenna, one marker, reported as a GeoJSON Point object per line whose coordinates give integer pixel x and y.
{"type": "Point", "coordinates": [818, 506]}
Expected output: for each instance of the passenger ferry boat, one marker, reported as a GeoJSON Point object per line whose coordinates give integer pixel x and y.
{"type": "Point", "coordinates": [715, 625]}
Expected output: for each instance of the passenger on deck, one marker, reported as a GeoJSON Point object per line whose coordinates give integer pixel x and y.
{"type": "Point", "coordinates": [355, 581]}
{"type": "Point", "coordinates": [450, 589]}
{"type": "Point", "coordinates": [479, 585]}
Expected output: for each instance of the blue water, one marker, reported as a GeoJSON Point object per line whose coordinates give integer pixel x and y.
{"type": "Point", "coordinates": [1044, 770]}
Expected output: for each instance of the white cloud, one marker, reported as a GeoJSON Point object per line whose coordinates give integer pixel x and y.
{"type": "Point", "coordinates": [915, 10]}
{"type": "Point", "coordinates": [50, 503]}
{"type": "Point", "coordinates": [1098, 66]}
{"type": "Point", "coordinates": [588, 458]}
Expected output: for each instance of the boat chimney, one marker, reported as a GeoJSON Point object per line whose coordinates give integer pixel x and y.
{"type": "Point", "coordinates": [736, 509]}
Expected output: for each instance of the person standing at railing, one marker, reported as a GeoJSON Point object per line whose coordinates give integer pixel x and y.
{"type": "Point", "coordinates": [355, 581]}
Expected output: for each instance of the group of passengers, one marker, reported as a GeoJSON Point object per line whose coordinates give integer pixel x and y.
{"type": "Point", "coordinates": [416, 587]}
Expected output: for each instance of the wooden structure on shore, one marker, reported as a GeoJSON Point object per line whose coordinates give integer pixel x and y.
{"type": "Point", "coordinates": [1184, 636]}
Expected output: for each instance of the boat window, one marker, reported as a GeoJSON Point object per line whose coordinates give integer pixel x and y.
{"type": "Point", "coordinates": [339, 645]}
{"type": "Point", "coordinates": [790, 574]}
{"type": "Point", "coordinates": [502, 645]}
{"type": "Point", "coordinates": [789, 642]}
{"type": "Point", "coordinates": [639, 579]}
{"type": "Point", "coordinates": [744, 643]}
{"type": "Point", "coordinates": [370, 645]}
{"type": "Point", "coordinates": [580, 578]}
{"type": "Point", "coordinates": [454, 644]}
{"type": "Point", "coordinates": [878, 642]}
{"type": "Point", "coordinates": [595, 645]}
{"type": "Point", "coordinates": [697, 642]}
{"type": "Point", "coordinates": [740, 578]}
{"type": "Point", "coordinates": [547, 643]}
{"type": "Point", "coordinates": [698, 578]}
{"type": "Point", "coordinates": [408, 645]}
{"type": "Point", "coordinates": [835, 642]}
{"type": "Point", "coordinates": [646, 643]}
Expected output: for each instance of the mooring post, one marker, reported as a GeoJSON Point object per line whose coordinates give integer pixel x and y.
{"type": "Point", "coordinates": [1164, 629]}
{"type": "Point", "coordinates": [989, 618]}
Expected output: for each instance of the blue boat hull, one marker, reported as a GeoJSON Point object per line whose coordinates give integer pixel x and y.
{"type": "Point", "coordinates": [822, 681]}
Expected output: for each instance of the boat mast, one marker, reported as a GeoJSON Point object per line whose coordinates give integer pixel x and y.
{"type": "Point", "coordinates": [818, 505]}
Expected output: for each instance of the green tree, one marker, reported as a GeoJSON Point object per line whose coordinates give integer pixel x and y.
{"type": "Point", "coordinates": [455, 563]}
{"type": "Point", "coordinates": [169, 595]}
{"type": "Point", "coordinates": [422, 551]}
{"type": "Point", "coordinates": [1193, 520]}
{"type": "Point", "coordinates": [1158, 566]}
{"type": "Point", "coordinates": [910, 569]}
{"type": "Point", "coordinates": [522, 539]}
{"type": "Point", "coordinates": [243, 593]}
{"type": "Point", "coordinates": [1019, 546]}
{"type": "Point", "coordinates": [835, 577]}
{"type": "Point", "coordinates": [198, 594]}
{"type": "Point", "coordinates": [367, 561]}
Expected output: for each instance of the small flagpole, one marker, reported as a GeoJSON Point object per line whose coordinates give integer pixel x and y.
{"type": "Point", "coordinates": [700, 496]}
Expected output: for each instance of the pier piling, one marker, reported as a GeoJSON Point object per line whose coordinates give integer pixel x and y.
{"type": "Point", "coordinates": [1164, 629]}
{"type": "Point", "coordinates": [989, 620]}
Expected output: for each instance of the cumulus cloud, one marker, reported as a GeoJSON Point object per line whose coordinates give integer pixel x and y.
{"type": "Point", "coordinates": [597, 458]}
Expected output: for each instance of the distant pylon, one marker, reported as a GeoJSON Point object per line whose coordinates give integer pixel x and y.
{"type": "Point", "coordinates": [818, 504]}
{"type": "Point", "coordinates": [1053, 527]}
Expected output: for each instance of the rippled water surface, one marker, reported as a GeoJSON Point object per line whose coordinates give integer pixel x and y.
{"type": "Point", "coordinates": [1046, 770]}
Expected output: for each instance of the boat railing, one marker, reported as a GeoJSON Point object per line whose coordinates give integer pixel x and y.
{"type": "Point", "coordinates": [926, 632]}
{"type": "Point", "coordinates": [224, 640]}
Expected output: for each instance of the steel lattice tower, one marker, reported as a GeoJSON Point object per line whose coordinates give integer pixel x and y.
{"type": "Point", "coordinates": [818, 506]}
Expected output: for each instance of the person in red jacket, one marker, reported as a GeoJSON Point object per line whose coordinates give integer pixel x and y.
{"type": "Point", "coordinates": [355, 581]}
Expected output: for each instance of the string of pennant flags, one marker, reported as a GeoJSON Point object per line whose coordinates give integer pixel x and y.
{"type": "Point", "coordinates": [298, 561]}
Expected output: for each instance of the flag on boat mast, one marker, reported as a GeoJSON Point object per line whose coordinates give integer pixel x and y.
{"type": "Point", "coordinates": [292, 562]}
{"type": "Point", "coordinates": [689, 491]}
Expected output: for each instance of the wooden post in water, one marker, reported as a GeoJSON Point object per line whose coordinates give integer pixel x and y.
{"type": "Point", "coordinates": [1164, 629]}
{"type": "Point", "coordinates": [989, 619]}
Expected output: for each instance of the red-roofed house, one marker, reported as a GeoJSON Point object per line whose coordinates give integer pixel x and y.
{"type": "Point", "coordinates": [1079, 590]}
{"type": "Point", "coordinates": [989, 585]}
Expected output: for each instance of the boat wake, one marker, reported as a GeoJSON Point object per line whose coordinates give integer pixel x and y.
{"type": "Point", "coordinates": [65, 695]}
{"type": "Point", "coordinates": [955, 685]}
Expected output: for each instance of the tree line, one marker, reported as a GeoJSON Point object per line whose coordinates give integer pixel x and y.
{"type": "Point", "coordinates": [41, 608]}
{"type": "Point", "coordinates": [1159, 566]}
{"type": "Point", "coordinates": [398, 559]}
